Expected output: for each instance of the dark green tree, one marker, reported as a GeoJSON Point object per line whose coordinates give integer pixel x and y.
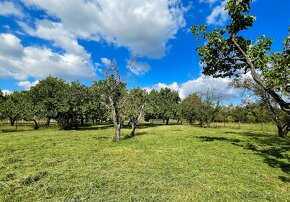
{"type": "Point", "coordinates": [46, 96]}
{"type": "Point", "coordinates": [152, 108]}
{"type": "Point", "coordinates": [169, 101]}
{"type": "Point", "coordinates": [96, 108]}
{"type": "Point", "coordinates": [71, 109]}
{"type": "Point", "coordinates": [189, 107]}
{"type": "Point", "coordinates": [12, 106]}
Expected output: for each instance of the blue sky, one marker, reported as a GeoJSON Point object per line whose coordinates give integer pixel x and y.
{"type": "Point", "coordinates": [75, 39]}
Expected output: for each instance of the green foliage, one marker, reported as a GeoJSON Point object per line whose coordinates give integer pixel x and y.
{"type": "Point", "coordinates": [227, 53]}
{"type": "Point", "coordinates": [71, 109]}
{"type": "Point", "coordinates": [133, 104]}
{"type": "Point", "coordinates": [190, 107]}
{"type": "Point", "coordinates": [96, 108]}
{"type": "Point", "coordinates": [47, 95]}
{"type": "Point", "coordinates": [152, 108]}
{"type": "Point", "coordinates": [12, 106]}
{"type": "Point", "coordinates": [169, 101]}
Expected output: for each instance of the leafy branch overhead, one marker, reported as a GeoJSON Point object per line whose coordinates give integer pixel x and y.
{"type": "Point", "coordinates": [227, 53]}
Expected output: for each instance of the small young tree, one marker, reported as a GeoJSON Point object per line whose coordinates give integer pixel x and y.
{"type": "Point", "coordinates": [133, 105]}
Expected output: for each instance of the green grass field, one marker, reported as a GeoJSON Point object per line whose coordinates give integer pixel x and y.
{"type": "Point", "coordinates": [162, 163]}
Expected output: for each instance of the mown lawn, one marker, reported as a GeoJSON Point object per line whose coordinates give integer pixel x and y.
{"type": "Point", "coordinates": [162, 163]}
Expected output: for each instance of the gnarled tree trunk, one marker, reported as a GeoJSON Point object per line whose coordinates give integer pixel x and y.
{"type": "Point", "coordinates": [116, 119]}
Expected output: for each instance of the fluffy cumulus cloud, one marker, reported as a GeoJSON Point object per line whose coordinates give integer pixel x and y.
{"type": "Point", "coordinates": [218, 16]}
{"type": "Point", "coordinates": [27, 84]}
{"type": "Point", "coordinates": [21, 62]}
{"type": "Point", "coordinates": [201, 85]}
{"type": "Point", "coordinates": [143, 27]}
{"type": "Point", "coordinates": [55, 31]}
{"type": "Point", "coordinates": [7, 8]}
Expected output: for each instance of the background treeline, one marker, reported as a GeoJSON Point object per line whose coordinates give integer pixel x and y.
{"type": "Point", "coordinates": [73, 105]}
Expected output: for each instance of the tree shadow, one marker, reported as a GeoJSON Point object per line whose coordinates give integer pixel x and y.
{"type": "Point", "coordinates": [272, 148]}
{"type": "Point", "coordinates": [95, 127]}
{"type": "Point", "coordinates": [136, 135]}
{"type": "Point", "coordinates": [15, 131]}
{"type": "Point", "coordinates": [211, 139]}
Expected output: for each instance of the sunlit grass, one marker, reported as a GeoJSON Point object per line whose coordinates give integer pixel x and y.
{"type": "Point", "coordinates": [162, 163]}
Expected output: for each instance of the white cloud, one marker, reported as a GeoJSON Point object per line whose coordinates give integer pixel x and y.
{"type": "Point", "coordinates": [21, 62]}
{"type": "Point", "coordinates": [140, 68]}
{"type": "Point", "coordinates": [174, 87]}
{"type": "Point", "coordinates": [56, 32]}
{"type": "Point", "coordinates": [27, 84]}
{"type": "Point", "coordinates": [6, 92]}
{"type": "Point", "coordinates": [200, 85]}
{"type": "Point", "coordinates": [208, 1]}
{"type": "Point", "coordinates": [7, 8]}
{"type": "Point", "coordinates": [218, 16]}
{"type": "Point", "coordinates": [106, 61]}
{"type": "Point", "coordinates": [144, 27]}
{"type": "Point", "coordinates": [205, 83]}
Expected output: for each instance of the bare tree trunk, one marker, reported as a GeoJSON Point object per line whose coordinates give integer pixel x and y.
{"type": "Point", "coordinates": [167, 121]}
{"type": "Point", "coordinates": [12, 121]}
{"type": "Point", "coordinates": [283, 130]}
{"type": "Point", "coordinates": [118, 132]}
{"type": "Point", "coordinates": [116, 119]}
{"type": "Point", "coordinates": [133, 125]}
{"type": "Point", "coordinates": [35, 124]}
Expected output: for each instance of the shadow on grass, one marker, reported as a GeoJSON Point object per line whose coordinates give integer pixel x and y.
{"type": "Point", "coordinates": [211, 139]}
{"type": "Point", "coordinates": [14, 130]}
{"type": "Point", "coordinates": [272, 148]}
{"type": "Point", "coordinates": [95, 127]}
{"type": "Point", "coordinates": [136, 135]}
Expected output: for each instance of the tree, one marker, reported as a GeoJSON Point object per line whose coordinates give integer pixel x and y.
{"type": "Point", "coordinates": [114, 89]}
{"type": "Point", "coordinates": [169, 101]}
{"type": "Point", "coordinates": [71, 109]}
{"type": "Point", "coordinates": [152, 108]}
{"type": "Point", "coordinates": [133, 106]}
{"type": "Point", "coordinates": [280, 117]}
{"type": "Point", "coordinates": [227, 53]}
{"type": "Point", "coordinates": [12, 106]}
{"type": "Point", "coordinates": [46, 95]}
{"type": "Point", "coordinates": [189, 107]}
{"type": "Point", "coordinates": [95, 108]}
{"type": "Point", "coordinates": [30, 111]}
{"type": "Point", "coordinates": [2, 99]}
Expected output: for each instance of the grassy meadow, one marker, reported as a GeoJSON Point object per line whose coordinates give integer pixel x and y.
{"type": "Point", "coordinates": [161, 163]}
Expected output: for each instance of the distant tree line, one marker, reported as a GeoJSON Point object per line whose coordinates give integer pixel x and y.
{"type": "Point", "coordinates": [73, 105]}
